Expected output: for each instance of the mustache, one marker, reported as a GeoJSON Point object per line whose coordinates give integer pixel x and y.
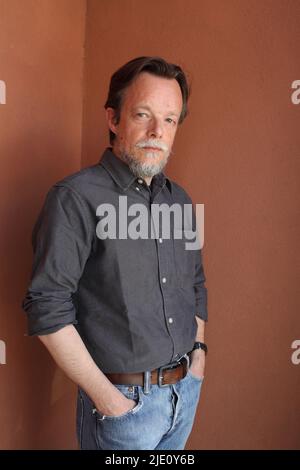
{"type": "Point", "coordinates": [153, 143]}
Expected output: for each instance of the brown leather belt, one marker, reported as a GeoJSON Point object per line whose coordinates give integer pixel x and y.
{"type": "Point", "coordinates": [163, 376]}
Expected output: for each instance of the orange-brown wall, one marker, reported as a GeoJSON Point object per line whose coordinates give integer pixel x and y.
{"type": "Point", "coordinates": [41, 62]}
{"type": "Point", "coordinates": [237, 152]}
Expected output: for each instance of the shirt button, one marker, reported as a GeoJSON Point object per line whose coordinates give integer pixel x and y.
{"type": "Point", "coordinates": [137, 188]}
{"type": "Point", "coordinates": [160, 240]}
{"type": "Point", "coordinates": [130, 389]}
{"type": "Point", "coordinates": [164, 280]}
{"type": "Point", "coordinates": [170, 320]}
{"type": "Point", "coordinates": [140, 181]}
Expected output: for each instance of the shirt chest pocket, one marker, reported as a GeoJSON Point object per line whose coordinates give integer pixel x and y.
{"type": "Point", "coordinates": [185, 257]}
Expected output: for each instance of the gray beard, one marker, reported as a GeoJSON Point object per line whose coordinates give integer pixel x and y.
{"type": "Point", "coordinates": [144, 169]}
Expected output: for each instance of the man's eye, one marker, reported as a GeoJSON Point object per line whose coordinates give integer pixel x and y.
{"type": "Point", "coordinates": [142, 114]}
{"type": "Point", "coordinates": [171, 121]}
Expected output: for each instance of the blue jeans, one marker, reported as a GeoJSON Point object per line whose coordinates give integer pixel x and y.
{"type": "Point", "coordinates": [162, 419]}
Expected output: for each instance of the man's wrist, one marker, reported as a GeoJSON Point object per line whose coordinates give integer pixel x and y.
{"type": "Point", "coordinates": [197, 357]}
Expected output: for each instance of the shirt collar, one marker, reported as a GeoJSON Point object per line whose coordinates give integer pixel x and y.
{"type": "Point", "coordinates": [121, 173]}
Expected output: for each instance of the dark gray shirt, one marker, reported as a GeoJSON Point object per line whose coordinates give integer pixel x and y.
{"type": "Point", "coordinates": [133, 301]}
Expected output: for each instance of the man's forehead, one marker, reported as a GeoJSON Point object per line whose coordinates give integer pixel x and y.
{"type": "Point", "coordinates": [147, 86]}
{"type": "Point", "coordinates": [152, 81]}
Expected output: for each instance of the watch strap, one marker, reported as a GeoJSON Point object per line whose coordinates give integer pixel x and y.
{"type": "Point", "coordinates": [200, 345]}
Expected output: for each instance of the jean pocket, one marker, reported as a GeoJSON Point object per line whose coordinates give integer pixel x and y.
{"type": "Point", "coordinates": [136, 396]}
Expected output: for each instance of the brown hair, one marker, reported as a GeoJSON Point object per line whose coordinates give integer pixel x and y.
{"type": "Point", "coordinates": [125, 75]}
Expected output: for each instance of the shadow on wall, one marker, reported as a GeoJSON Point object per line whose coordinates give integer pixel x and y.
{"type": "Point", "coordinates": [37, 401]}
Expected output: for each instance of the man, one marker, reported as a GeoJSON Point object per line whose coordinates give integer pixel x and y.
{"type": "Point", "coordinates": [121, 314]}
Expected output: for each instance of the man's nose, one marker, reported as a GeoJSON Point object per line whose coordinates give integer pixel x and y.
{"type": "Point", "coordinates": [155, 129]}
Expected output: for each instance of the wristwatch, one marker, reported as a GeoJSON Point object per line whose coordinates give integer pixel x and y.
{"type": "Point", "coordinates": [199, 345]}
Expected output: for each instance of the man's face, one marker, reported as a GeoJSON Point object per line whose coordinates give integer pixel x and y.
{"type": "Point", "coordinates": [149, 117]}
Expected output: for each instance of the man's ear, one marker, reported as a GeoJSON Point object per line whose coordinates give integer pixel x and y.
{"type": "Point", "coordinates": [111, 119]}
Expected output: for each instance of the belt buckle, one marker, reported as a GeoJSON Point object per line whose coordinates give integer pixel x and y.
{"type": "Point", "coordinates": [172, 365]}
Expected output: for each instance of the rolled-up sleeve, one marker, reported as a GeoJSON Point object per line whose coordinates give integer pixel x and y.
{"type": "Point", "coordinates": [200, 289]}
{"type": "Point", "coordinates": [199, 284]}
{"type": "Point", "coordinates": [61, 239]}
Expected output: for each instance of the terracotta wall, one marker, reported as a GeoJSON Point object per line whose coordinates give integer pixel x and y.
{"type": "Point", "coordinates": [237, 152]}
{"type": "Point", "coordinates": [41, 63]}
